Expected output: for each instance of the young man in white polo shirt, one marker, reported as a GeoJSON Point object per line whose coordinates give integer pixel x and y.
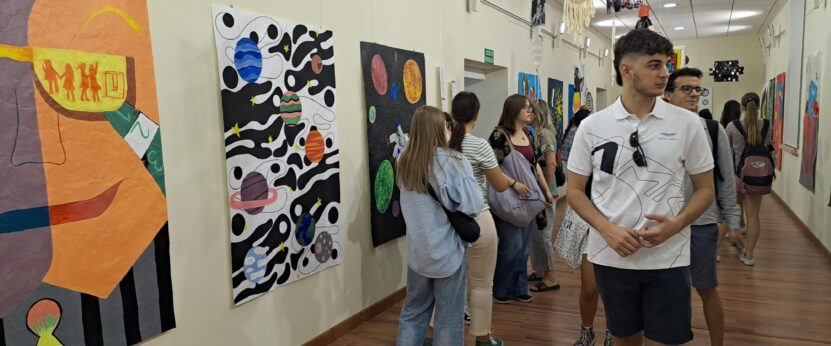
{"type": "Point", "coordinates": [683, 90]}
{"type": "Point", "coordinates": [636, 153]}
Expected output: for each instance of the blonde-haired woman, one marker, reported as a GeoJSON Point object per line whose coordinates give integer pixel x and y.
{"type": "Point", "coordinates": [542, 252]}
{"type": "Point", "coordinates": [750, 203]}
{"type": "Point", "coordinates": [436, 275]}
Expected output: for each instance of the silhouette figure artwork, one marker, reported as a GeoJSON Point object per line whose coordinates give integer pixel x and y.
{"type": "Point", "coordinates": [93, 82]}
{"type": "Point", "coordinates": [51, 76]}
{"type": "Point", "coordinates": [69, 82]}
{"type": "Point", "coordinates": [84, 81]}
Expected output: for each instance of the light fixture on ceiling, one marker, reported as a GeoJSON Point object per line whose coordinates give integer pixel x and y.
{"type": "Point", "coordinates": [588, 41]}
{"type": "Point", "coordinates": [562, 28]}
{"type": "Point", "coordinates": [679, 28]}
{"type": "Point", "coordinates": [670, 5]}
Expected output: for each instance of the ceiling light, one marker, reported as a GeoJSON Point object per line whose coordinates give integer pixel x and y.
{"type": "Point", "coordinates": [739, 27]}
{"type": "Point", "coordinates": [563, 28]}
{"type": "Point", "coordinates": [744, 14]}
{"type": "Point", "coordinates": [588, 41]}
{"type": "Point", "coordinates": [670, 5]}
{"type": "Point", "coordinates": [679, 28]}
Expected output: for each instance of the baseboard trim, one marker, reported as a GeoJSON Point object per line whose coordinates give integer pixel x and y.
{"type": "Point", "coordinates": [805, 229]}
{"type": "Point", "coordinates": [357, 319]}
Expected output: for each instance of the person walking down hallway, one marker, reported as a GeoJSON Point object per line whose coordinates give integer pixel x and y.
{"type": "Point", "coordinates": [751, 138]}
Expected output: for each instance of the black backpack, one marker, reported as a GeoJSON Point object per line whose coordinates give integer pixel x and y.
{"type": "Point", "coordinates": [712, 129]}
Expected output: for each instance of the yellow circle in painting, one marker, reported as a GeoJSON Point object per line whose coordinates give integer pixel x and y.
{"type": "Point", "coordinates": [412, 81]}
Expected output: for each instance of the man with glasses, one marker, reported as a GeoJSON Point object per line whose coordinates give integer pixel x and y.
{"type": "Point", "coordinates": [683, 90]}
{"type": "Point", "coordinates": [636, 153]}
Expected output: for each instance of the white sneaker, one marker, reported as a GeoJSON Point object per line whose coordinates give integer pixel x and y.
{"type": "Point", "coordinates": [746, 259]}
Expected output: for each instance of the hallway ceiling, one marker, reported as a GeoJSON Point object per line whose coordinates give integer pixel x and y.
{"type": "Point", "coordinates": [691, 19]}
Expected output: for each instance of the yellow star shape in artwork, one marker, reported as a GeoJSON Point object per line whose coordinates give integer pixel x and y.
{"type": "Point", "coordinates": [299, 276]}
{"type": "Point", "coordinates": [319, 202]}
{"type": "Point", "coordinates": [236, 129]}
{"type": "Point", "coordinates": [291, 190]}
{"type": "Point", "coordinates": [286, 48]}
{"type": "Point", "coordinates": [308, 83]}
{"type": "Point", "coordinates": [253, 100]}
{"type": "Point", "coordinates": [270, 139]}
{"type": "Point", "coordinates": [282, 247]}
{"type": "Point", "coordinates": [296, 147]}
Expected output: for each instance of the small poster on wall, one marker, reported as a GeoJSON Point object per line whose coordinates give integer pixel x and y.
{"type": "Point", "coordinates": [810, 123]}
{"type": "Point", "coordinates": [277, 82]}
{"type": "Point", "coordinates": [571, 102]}
{"type": "Point", "coordinates": [778, 117]}
{"type": "Point", "coordinates": [555, 102]}
{"type": "Point", "coordinates": [529, 85]}
{"type": "Point", "coordinates": [580, 87]}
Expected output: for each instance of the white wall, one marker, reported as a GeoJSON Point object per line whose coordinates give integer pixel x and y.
{"type": "Point", "coordinates": [810, 207]}
{"type": "Point", "coordinates": [745, 48]}
{"type": "Point", "coordinates": [189, 105]}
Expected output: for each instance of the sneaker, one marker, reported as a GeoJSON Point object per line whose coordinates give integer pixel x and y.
{"type": "Point", "coordinates": [502, 300]}
{"type": "Point", "coordinates": [608, 341]}
{"type": "Point", "coordinates": [523, 298]}
{"type": "Point", "coordinates": [467, 318]}
{"type": "Point", "coordinates": [586, 337]}
{"type": "Point", "coordinates": [492, 341]}
{"type": "Point", "coordinates": [746, 259]}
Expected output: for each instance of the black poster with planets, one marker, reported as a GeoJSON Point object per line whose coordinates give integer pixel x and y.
{"type": "Point", "coordinates": [393, 89]}
{"type": "Point", "coordinates": [277, 81]}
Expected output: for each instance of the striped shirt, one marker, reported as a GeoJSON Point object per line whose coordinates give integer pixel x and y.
{"type": "Point", "coordinates": [480, 155]}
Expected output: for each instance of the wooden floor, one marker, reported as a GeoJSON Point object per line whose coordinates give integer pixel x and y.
{"type": "Point", "coordinates": [784, 300]}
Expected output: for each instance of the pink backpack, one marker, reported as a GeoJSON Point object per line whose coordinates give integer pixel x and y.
{"type": "Point", "coordinates": [755, 167]}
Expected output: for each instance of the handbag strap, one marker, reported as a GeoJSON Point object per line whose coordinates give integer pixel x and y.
{"type": "Point", "coordinates": [433, 193]}
{"type": "Point", "coordinates": [507, 137]}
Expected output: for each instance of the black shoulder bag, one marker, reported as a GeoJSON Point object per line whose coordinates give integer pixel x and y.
{"type": "Point", "coordinates": [464, 225]}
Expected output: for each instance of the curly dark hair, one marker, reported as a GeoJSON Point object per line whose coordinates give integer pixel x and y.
{"type": "Point", "coordinates": [639, 42]}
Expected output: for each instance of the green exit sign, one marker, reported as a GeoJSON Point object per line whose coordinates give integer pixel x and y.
{"type": "Point", "coordinates": [489, 56]}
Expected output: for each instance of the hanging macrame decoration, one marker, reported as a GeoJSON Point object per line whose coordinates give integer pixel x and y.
{"type": "Point", "coordinates": [577, 15]}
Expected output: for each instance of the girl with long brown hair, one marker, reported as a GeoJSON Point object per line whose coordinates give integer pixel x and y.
{"type": "Point", "coordinates": [510, 281]}
{"type": "Point", "coordinates": [436, 276]}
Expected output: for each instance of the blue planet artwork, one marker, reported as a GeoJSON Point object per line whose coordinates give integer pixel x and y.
{"type": "Point", "coordinates": [248, 59]}
{"type": "Point", "coordinates": [277, 85]}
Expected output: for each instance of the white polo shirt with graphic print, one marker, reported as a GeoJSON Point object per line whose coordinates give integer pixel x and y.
{"type": "Point", "coordinates": [674, 144]}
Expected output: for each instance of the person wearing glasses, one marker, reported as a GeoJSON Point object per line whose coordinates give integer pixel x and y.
{"type": "Point", "coordinates": [510, 279]}
{"type": "Point", "coordinates": [683, 90]}
{"type": "Point", "coordinates": [636, 153]}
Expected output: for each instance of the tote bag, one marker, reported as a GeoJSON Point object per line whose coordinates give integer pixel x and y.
{"type": "Point", "coordinates": [508, 205]}
{"type": "Point", "coordinates": [572, 238]}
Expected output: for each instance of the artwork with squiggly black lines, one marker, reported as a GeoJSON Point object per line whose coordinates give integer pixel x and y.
{"type": "Point", "coordinates": [277, 81]}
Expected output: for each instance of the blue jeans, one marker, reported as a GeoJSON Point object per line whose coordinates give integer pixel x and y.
{"type": "Point", "coordinates": [448, 296]}
{"type": "Point", "coordinates": [511, 275]}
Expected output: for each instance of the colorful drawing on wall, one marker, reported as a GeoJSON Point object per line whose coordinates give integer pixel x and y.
{"type": "Point", "coordinates": [385, 71]}
{"type": "Point", "coordinates": [555, 103]}
{"type": "Point", "coordinates": [580, 87]}
{"type": "Point", "coordinates": [573, 99]}
{"type": "Point", "coordinates": [277, 81]}
{"type": "Point", "coordinates": [83, 212]}
{"type": "Point", "coordinates": [678, 59]}
{"type": "Point", "coordinates": [529, 85]}
{"type": "Point", "coordinates": [810, 122]}
{"type": "Point", "coordinates": [778, 117]}
{"type": "Point", "coordinates": [771, 96]}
